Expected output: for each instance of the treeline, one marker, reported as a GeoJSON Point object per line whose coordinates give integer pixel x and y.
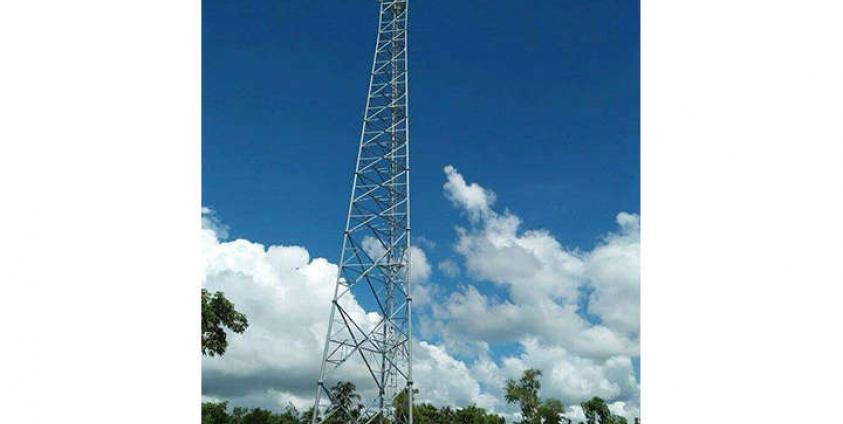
{"type": "Point", "coordinates": [347, 408]}
{"type": "Point", "coordinates": [216, 413]}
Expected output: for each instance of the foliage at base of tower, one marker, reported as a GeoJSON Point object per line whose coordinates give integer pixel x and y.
{"type": "Point", "coordinates": [346, 408]}
{"type": "Point", "coordinates": [216, 413]}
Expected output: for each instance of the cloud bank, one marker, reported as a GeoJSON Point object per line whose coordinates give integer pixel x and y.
{"type": "Point", "coordinates": [549, 294]}
{"type": "Point", "coordinates": [281, 289]}
{"type": "Point", "coordinates": [572, 314]}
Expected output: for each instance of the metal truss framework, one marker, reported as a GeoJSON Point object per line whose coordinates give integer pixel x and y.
{"type": "Point", "coordinates": [375, 254]}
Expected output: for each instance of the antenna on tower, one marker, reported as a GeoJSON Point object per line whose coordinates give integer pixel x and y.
{"type": "Point", "coordinates": [375, 354]}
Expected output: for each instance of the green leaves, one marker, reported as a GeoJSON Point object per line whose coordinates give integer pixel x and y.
{"type": "Point", "coordinates": [525, 392]}
{"type": "Point", "coordinates": [550, 411]}
{"type": "Point", "coordinates": [597, 412]}
{"type": "Point", "coordinates": [345, 405]}
{"type": "Point", "coordinates": [214, 413]}
{"type": "Point", "coordinates": [347, 408]}
{"type": "Point", "coordinates": [426, 413]}
{"type": "Point", "coordinates": [218, 313]}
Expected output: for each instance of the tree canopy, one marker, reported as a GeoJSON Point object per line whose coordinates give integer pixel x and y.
{"type": "Point", "coordinates": [345, 404]}
{"type": "Point", "coordinates": [525, 393]}
{"type": "Point", "coordinates": [597, 412]}
{"type": "Point", "coordinates": [218, 313]}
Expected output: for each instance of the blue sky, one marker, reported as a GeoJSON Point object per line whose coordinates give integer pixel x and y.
{"type": "Point", "coordinates": [538, 103]}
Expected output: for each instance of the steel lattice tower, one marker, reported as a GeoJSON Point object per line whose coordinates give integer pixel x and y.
{"type": "Point", "coordinates": [375, 255]}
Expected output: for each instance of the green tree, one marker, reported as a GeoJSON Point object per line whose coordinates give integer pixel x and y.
{"type": "Point", "coordinates": [447, 415]}
{"type": "Point", "coordinates": [237, 414]}
{"type": "Point", "coordinates": [289, 416]}
{"type": "Point", "coordinates": [426, 413]}
{"type": "Point", "coordinates": [219, 313]}
{"type": "Point", "coordinates": [400, 403]}
{"type": "Point", "coordinates": [597, 412]}
{"type": "Point", "coordinates": [471, 414]}
{"type": "Point", "coordinates": [259, 416]}
{"type": "Point", "coordinates": [215, 413]}
{"type": "Point", "coordinates": [550, 411]}
{"type": "Point", "coordinates": [345, 404]}
{"type": "Point", "coordinates": [307, 416]}
{"type": "Point", "coordinates": [525, 392]}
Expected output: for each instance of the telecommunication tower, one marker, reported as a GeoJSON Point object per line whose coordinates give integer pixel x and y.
{"type": "Point", "coordinates": [375, 255]}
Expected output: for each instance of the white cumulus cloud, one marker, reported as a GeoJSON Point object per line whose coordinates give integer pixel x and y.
{"type": "Point", "coordinates": [476, 200]}
{"type": "Point", "coordinates": [573, 314]}
{"type": "Point", "coordinates": [613, 270]}
{"type": "Point", "coordinates": [543, 309]}
{"type": "Point", "coordinates": [286, 297]}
